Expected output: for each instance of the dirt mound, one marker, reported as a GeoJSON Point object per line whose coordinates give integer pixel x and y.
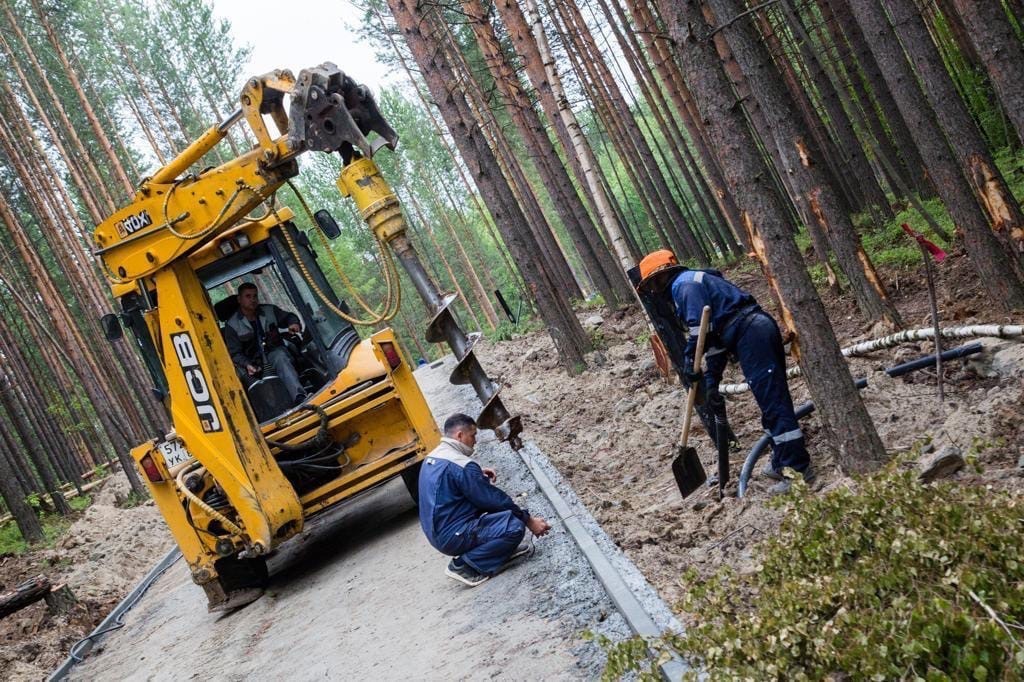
{"type": "Point", "coordinates": [104, 553]}
{"type": "Point", "coordinates": [611, 432]}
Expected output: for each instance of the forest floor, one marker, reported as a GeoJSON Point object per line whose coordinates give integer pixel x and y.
{"type": "Point", "coordinates": [611, 430]}
{"type": "Point", "coordinates": [106, 550]}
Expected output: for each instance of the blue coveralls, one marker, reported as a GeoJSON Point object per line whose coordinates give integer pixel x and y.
{"type": "Point", "coordinates": [463, 514]}
{"type": "Point", "coordinates": [739, 326]}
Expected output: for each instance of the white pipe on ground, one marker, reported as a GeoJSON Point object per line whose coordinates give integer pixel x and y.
{"type": "Point", "coordinates": [1003, 331]}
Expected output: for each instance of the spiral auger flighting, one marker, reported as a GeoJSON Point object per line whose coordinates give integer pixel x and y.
{"type": "Point", "coordinates": [379, 207]}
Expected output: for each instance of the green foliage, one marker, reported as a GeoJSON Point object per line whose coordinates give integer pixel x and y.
{"type": "Point", "coordinates": [888, 579]}
{"type": "Point", "coordinates": [80, 502]}
{"type": "Point", "coordinates": [54, 525]}
{"type": "Point", "coordinates": [889, 245]}
{"type": "Point", "coordinates": [132, 499]}
{"type": "Point", "coordinates": [506, 331]}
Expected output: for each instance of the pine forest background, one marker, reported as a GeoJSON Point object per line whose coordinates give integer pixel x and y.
{"type": "Point", "coordinates": [546, 145]}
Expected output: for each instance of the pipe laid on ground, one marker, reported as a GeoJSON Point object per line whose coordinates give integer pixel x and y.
{"type": "Point", "coordinates": [929, 360]}
{"type": "Point", "coordinates": [760, 445]}
{"type": "Point", "coordinates": [808, 407]}
{"type": "Point", "coordinates": [114, 619]}
{"type": "Point", "coordinates": [1003, 331]}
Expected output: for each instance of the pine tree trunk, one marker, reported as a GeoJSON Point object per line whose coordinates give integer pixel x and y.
{"type": "Point", "coordinates": [991, 261]}
{"type": "Point", "coordinates": [419, 30]}
{"type": "Point", "coordinates": [97, 129]}
{"type": "Point", "coordinates": [474, 279]}
{"type": "Point", "coordinates": [673, 220]}
{"type": "Point", "coordinates": [659, 54]}
{"type": "Point", "coordinates": [1000, 51]}
{"type": "Point", "coordinates": [858, 447]}
{"type": "Point", "coordinates": [471, 191]}
{"type": "Point", "coordinates": [532, 46]}
{"type": "Point", "coordinates": [14, 500]}
{"type": "Point", "coordinates": [1003, 211]}
{"type": "Point", "coordinates": [608, 280]}
{"type": "Point", "coordinates": [818, 199]}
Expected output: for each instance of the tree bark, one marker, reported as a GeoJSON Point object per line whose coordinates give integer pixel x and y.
{"type": "Point", "coordinates": [607, 278]}
{"type": "Point", "coordinates": [818, 200]}
{"type": "Point", "coordinates": [14, 499]}
{"type": "Point", "coordinates": [1000, 51]}
{"type": "Point", "coordinates": [97, 129]}
{"type": "Point", "coordinates": [976, 163]}
{"type": "Point", "coordinates": [532, 46]}
{"type": "Point", "coordinates": [859, 448]}
{"type": "Point", "coordinates": [420, 32]}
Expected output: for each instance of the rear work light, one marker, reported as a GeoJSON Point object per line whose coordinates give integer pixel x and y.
{"type": "Point", "coordinates": [149, 466]}
{"type": "Point", "coordinates": [391, 353]}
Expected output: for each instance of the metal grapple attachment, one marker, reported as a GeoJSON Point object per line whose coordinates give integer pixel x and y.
{"type": "Point", "coordinates": [331, 112]}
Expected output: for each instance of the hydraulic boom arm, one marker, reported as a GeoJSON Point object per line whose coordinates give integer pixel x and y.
{"type": "Point", "coordinates": [173, 214]}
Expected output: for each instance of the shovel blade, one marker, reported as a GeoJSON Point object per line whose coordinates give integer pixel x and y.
{"type": "Point", "coordinates": [688, 470]}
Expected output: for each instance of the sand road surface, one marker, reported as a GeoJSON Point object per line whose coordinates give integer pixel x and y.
{"type": "Point", "coordinates": [361, 595]}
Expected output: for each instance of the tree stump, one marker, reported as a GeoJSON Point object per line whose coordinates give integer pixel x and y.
{"type": "Point", "coordinates": [60, 600]}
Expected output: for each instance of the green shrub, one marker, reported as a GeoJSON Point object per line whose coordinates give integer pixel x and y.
{"type": "Point", "coordinates": [889, 579]}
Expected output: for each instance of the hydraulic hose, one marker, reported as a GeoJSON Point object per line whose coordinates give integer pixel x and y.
{"type": "Point", "coordinates": [1003, 331]}
{"type": "Point", "coordinates": [229, 525]}
{"type": "Point", "coordinates": [808, 407]}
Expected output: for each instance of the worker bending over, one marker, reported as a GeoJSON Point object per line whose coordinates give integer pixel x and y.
{"type": "Point", "coordinates": [739, 329]}
{"type": "Point", "coordinates": [466, 516]}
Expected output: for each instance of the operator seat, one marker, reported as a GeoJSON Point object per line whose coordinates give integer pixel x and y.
{"type": "Point", "coordinates": [267, 393]}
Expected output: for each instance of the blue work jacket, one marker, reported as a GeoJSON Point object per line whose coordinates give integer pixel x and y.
{"type": "Point", "coordinates": [692, 290]}
{"type": "Point", "coordinates": [454, 494]}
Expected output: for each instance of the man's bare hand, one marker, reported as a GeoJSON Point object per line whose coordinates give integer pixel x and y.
{"type": "Point", "coordinates": [538, 526]}
{"type": "Point", "coordinates": [251, 369]}
{"type": "Point", "coordinates": [491, 474]}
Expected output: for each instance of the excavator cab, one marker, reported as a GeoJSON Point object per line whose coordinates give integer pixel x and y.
{"type": "Point", "coordinates": [285, 278]}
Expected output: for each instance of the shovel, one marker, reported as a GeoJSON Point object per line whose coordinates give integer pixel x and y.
{"type": "Point", "coordinates": [686, 466]}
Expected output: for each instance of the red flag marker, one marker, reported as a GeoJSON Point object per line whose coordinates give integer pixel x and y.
{"type": "Point", "coordinates": [937, 253]}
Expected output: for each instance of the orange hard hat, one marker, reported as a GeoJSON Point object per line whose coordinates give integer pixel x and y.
{"type": "Point", "coordinates": [657, 263]}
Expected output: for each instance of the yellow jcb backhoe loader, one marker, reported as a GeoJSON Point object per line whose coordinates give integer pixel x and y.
{"type": "Point", "coordinates": [243, 469]}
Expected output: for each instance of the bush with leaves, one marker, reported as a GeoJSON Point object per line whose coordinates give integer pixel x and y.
{"type": "Point", "coordinates": [887, 579]}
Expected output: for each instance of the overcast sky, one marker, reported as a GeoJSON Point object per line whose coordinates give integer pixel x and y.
{"type": "Point", "coordinates": [295, 34]}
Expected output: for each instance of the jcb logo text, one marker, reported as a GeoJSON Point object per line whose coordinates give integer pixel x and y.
{"type": "Point", "coordinates": [196, 381]}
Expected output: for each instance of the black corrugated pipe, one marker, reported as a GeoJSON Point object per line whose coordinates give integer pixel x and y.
{"type": "Point", "coordinates": [929, 360]}
{"type": "Point", "coordinates": [808, 407]}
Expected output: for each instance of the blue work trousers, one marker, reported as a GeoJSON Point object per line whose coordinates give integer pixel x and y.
{"type": "Point", "coordinates": [487, 545]}
{"type": "Point", "coordinates": [757, 344]}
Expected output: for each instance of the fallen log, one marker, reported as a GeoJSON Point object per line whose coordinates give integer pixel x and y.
{"type": "Point", "coordinates": [29, 592]}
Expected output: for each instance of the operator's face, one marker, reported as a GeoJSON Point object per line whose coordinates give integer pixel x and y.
{"type": "Point", "coordinates": [467, 436]}
{"type": "Point", "coordinates": [248, 300]}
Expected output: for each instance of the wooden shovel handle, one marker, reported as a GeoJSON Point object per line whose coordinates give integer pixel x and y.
{"type": "Point", "coordinates": [698, 357]}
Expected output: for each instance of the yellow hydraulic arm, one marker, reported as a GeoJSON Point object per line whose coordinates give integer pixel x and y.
{"type": "Point", "coordinates": [176, 212]}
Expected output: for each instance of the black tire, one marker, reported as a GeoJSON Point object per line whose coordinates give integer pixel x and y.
{"type": "Point", "coordinates": [411, 478]}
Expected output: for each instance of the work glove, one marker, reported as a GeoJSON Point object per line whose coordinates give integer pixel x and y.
{"type": "Point", "coordinates": [691, 378]}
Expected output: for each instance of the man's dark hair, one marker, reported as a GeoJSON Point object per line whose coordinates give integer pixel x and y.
{"type": "Point", "coordinates": [247, 285]}
{"type": "Point", "coordinates": [457, 421]}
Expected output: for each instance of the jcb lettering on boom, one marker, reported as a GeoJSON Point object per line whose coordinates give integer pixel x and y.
{"type": "Point", "coordinates": [133, 223]}
{"type": "Point", "coordinates": [196, 381]}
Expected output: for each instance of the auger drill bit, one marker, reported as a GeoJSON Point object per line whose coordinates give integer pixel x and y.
{"type": "Point", "coordinates": [331, 112]}
{"type": "Point", "coordinates": [379, 207]}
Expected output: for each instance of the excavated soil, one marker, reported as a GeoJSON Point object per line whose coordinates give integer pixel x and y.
{"type": "Point", "coordinates": [611, 430]}
{"type": "Point", "coordinates": [101, 557]}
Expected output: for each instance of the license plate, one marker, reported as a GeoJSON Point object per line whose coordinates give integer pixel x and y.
{"type": "Point", "coordinates": [174, 453]}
